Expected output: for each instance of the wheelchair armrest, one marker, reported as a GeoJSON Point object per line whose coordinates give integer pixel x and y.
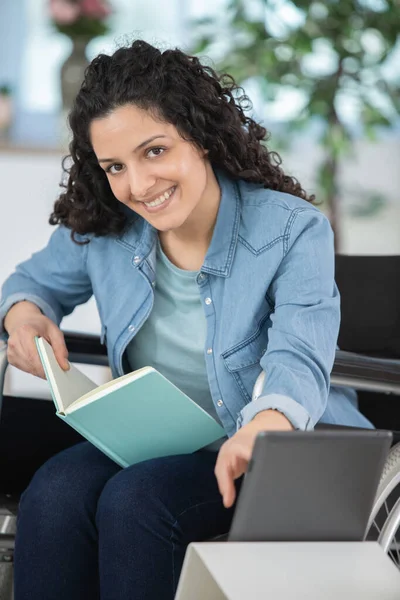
{"type": "Point", "coordinates": [350, 369]}
{"type": "Point", "coordinates": [85, 348]}
{"type": "Point", "coordinates": [82, 348]}
{"type": "Point", "coordinates": [365, 372]}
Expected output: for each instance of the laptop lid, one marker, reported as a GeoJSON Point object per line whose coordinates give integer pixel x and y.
{"type": "Point", "coordinates": [310, 486]}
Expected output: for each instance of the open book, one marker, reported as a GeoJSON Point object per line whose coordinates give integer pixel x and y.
{"type": "Point", "coordinates": [139, 416]}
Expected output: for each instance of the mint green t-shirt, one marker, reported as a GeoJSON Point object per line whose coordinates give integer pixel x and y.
{"type": "Point", "coordinates": [172, 340]}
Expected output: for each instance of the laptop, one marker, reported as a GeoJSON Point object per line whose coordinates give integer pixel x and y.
{"type": "Point", "coordinates": [310, 485]}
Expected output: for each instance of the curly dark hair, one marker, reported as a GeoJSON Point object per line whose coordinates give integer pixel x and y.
{"type": "Point", "coordinates": [207, 109]}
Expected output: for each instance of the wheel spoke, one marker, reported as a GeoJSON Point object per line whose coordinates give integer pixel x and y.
{"type": "Point", "coordinates": [396, 545]}
{"type": "Point", "coordinates": [375, 524]}
{"type": "Point", "coordinates": [393, 558]}
{"type": "Point", "coordinates": [386, 510]}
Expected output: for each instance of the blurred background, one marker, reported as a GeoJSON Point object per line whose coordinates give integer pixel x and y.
{"type": "Point", "coordinates": [324, 79]}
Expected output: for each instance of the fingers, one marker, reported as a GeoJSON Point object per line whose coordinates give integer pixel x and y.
{"type": "Point", "coordinates": [57, 342]}
{"type": "Point", "coordinates": [231, 464]}
{"type": "Point", "coordinates": [22, 352]}
{"type": "Point", "coordinates": [226, 486]}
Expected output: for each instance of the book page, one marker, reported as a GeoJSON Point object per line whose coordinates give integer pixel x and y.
{"type": "Point", "coordinates": [66, 386]}
{"type": "Point", "coordinates": [105, 388]}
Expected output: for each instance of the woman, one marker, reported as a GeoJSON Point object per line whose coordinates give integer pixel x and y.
{"type": "Point", "coordinates": [170, 178]}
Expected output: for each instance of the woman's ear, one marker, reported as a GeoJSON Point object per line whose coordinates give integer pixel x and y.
{"type": "Point", "coordinates": [202, 152]}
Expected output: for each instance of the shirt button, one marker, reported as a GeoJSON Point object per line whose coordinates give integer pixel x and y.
{"type": "Point", "coordinates": [201, 276]}
{"type": "Point", "coordinates": [208, 300]}
{"type": "Point", "coordinates": [209, 350]}
{"type": "Point", "coordinates": [219, 402]}
{"type": "Point", "coordinates": [131, 328]}
{"type": "Point", "coordinates": [136, 259]}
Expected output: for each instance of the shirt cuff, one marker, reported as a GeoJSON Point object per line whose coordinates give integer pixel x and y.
{"type": "Point", "coordinates": [292, 410]}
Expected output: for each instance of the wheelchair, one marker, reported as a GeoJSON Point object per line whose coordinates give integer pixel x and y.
{"type": "Point", "coordinates": [369, 361]}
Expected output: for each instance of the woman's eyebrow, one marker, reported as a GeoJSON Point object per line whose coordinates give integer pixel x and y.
{"type": "Point", "coordinates": [151, 139]}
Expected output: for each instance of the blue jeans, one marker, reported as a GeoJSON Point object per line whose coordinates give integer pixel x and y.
{"type": "Point", "coordinates": [88, 529]}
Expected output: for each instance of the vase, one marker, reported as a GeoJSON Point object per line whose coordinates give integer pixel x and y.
{"type": "Point", "coordinates": [73, 71]}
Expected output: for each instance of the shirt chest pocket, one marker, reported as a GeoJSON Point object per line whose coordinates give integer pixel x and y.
{"type": "Point", "coordinates": [243, 360]}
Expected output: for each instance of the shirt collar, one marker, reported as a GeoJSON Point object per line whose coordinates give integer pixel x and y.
{"type": "Point", "coordinates": [221, 251]}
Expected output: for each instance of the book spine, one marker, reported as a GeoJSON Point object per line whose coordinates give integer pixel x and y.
{"type": "Point", "coordinates": [93, 439]}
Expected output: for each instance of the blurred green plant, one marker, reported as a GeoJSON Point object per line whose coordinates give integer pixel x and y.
{"type": "Point", "coordinates": [5, 90]}
{"type": "Point", "coordinates": [336, 53]}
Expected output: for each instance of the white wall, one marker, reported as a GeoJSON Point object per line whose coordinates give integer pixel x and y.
{"type": "Point", "coordinates": [29, 185]}
{"type": "Point", "coordinates": [373, 167]}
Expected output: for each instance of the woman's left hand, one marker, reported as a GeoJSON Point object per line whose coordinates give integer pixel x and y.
{"type": "Point", "coordinates": [235, 453]}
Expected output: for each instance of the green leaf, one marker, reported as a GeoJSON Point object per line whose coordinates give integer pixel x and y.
{"type": "Point", "coordinates": [372, 203]}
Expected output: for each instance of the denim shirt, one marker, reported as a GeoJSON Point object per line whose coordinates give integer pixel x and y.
{"type": "Point", "coordinates": [266, 285]}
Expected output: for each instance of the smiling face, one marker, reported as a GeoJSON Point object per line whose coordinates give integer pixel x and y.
{"type": "Point", "coordinates": [150, 168]}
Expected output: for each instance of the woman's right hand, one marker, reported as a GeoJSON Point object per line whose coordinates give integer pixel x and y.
{"type": "Point", "coordinates": [23, 323]}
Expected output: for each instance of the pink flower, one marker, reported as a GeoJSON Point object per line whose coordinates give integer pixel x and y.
{"type": "Point", "coordinates": [95, 9]}
{"type": "Point", "coordinates": [64, 12]}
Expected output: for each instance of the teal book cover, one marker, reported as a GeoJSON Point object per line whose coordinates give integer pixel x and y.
{"type": "Point", "coordinates": [139, 416]}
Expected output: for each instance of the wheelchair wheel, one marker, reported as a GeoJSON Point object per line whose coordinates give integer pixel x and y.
{"type": "Point", "coordinates": [384, 523]}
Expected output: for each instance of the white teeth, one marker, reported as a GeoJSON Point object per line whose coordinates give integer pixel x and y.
{"type": "Point", "coordinates": [161, 199]}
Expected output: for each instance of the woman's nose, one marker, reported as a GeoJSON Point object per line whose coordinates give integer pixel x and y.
{"type": "Point", "coordinates": [139, 184]}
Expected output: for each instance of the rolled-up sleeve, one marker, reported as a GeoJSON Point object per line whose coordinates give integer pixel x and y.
{"type": "Point", "coordinates": [55, 279]}
{"type": "Point", "coordinates": [305, 325]}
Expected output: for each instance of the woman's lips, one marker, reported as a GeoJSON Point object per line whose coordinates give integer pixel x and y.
{"type": "Point", "coordinates": [162, 206]}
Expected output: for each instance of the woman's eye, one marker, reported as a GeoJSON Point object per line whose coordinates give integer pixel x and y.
{"type": "Point", "coordinates": [156, 151]}
{"type": "Point", "coordinates": [113, 169]}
